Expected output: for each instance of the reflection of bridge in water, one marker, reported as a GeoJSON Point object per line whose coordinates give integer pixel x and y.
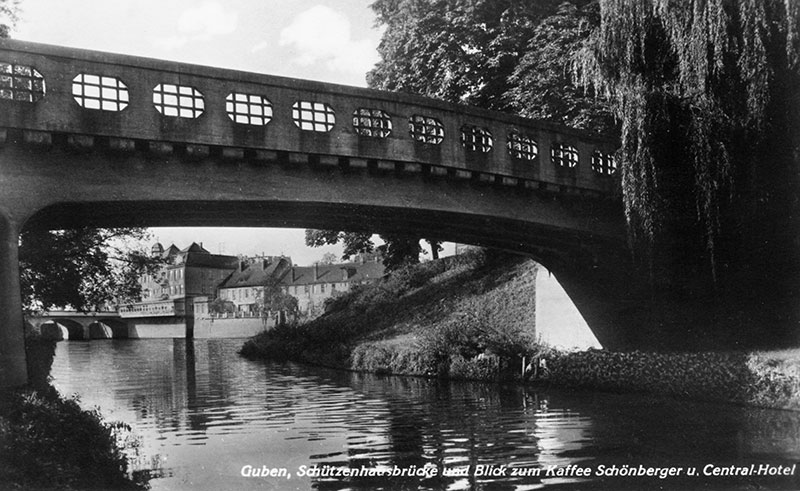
{"type": "Point", "coordinates": [94, 139]}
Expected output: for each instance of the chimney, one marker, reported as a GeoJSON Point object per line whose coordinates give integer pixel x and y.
{"type": "Point", "coordinates": [316, 271]}
{"type": "Point", "coordinates": [294, 278]}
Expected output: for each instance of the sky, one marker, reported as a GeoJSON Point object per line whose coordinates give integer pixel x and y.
{"type": "Point", "coordinates": [332, 41]}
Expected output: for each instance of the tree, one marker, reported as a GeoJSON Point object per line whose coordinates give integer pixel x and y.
{"type": "Point", "coordinates": [221, 306]}
{"type": "Point", "coordinates": [9, 16]}
{"type": "Point", "coordinates": [707, 94]}
{"type": "Point", "coordinates": [84, 268]}
{"type": "Point", "coordinates": [397, 250]}
{"type": "Point", "coordinates": [542, 84]}
{"type": "Point", "coordinates": [354, 242]}
{"type": "Point", "coordinates": [507, 55]}
{"type": "Point", "coordinates": [327, 258]}
{"type": "Point", "coordinates": [454, 50]}
{"type": "Point", "coordinates": [272, 297]}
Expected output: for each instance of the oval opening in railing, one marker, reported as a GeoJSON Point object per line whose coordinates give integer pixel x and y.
{"type": "Point", "coordinates": [99, 92]}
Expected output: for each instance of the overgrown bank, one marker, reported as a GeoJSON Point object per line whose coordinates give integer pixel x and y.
{"type": "Point", "coordinates": [473, 317]}
{"type": "Point", "coordinates": [49, 442]}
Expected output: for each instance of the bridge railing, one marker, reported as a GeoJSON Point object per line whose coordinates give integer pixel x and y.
{"type": "Point", "coordinates": [129, 103]}
{"type": "Point", "coordinates": [164, 308]}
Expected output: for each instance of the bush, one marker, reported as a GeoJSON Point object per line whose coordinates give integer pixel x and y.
{"type": "Point", "coordinates": [50, 442]}
{"type": "Point", "coordinates": [469, 334]}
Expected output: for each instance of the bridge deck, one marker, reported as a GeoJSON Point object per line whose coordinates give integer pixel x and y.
{"type": "Point", "coordinates": [125, 102]}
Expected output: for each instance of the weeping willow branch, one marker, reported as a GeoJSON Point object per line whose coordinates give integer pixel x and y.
{"type": "Point", "coordinates": [692, 83]}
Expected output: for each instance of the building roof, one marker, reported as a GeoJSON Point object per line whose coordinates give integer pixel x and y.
{"type": "Point", "coordinates": [195, 248]}
{"type": "Point", "coordinates": [257, 272]}
{"type": "Point", "coordinates": [170, 251]}
{"type": "Point", "coordinates": [333, 273]}
{"type": "Point", "coordinates": [215, 261]}
{"type": "Point", "coordinates": [195, 255]}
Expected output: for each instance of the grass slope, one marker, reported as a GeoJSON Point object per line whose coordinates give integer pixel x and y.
{"type": "Point", "coordinates": [473, 317]}
{"type": "Point", "coordinates": [429, 319]}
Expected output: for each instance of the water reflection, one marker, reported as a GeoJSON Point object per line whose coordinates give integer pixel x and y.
{"type": "Point", "coordinates": [203, 413]}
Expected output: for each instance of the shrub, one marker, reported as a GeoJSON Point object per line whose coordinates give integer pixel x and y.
{"type": "Point", "coordinates": [50, 442]}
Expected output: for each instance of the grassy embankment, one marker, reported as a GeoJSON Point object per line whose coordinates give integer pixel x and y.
{"type": "Point", "coordinates": [472, 317]}
{"type": "Point", "coordinates": [49, 442]}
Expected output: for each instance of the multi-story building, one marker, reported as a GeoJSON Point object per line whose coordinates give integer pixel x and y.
{"type": "Point", "coordinates": [311, 285]}
{"type": "Point", "coordinates": [244, 287]}
{"type": "Point", "coordinates": [188, 273]}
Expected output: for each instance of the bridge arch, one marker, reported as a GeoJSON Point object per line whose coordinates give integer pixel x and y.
{"type": "Point", "coordinates": [243, 149]}
{"type": "Point", "coordinates": [64, 330]}
{"type": "Point", "coordinates": [108, 329]}
{"type": "Point", "coordinates": [560, 251]}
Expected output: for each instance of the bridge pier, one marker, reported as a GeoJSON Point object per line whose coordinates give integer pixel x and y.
{"type": "Point", "coordinates": [13, 367]}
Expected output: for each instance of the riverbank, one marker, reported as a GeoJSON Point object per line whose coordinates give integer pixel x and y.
{"type": "Point", "coordinates": [49, 442]}
{"type": "Point", "coordinates": [473, 317]}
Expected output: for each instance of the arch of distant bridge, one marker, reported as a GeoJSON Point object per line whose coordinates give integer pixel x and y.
{"type": "Point", "coordinates": [77, 327]}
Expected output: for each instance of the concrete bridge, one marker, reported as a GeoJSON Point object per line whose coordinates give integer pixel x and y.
{"type": "Point", "coordinates": [73, 325]}
{"type": "Point", "coordinates": [95, 139]}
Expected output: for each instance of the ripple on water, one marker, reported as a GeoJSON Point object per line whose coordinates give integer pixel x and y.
{"type": "Point", "coordinates": [202, 412]}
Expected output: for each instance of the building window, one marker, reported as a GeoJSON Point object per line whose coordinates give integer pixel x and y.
{"type": "Point", "coordinates": [522, 147]}
{"type": "Point", "coordinates": [426, 129]}
{"type": "Point", "coordinates": [313, 116]}
{"type": "Point", "coordinates": [100, 93]}
{"type": "Point", "coordinates": [178, 101]}
{"type": "Point", "coordinates": [322, 288]}
{"type": "Point", "coordinates": [564, 155]}
{"type": "Point", "coordinates": [21, 83]}
{"type": "Point", "coordinates": [305, 289]}
{"type": "Point", "coordinates": [476, 139]}
{"type": "Point", "coordinates": [248, 109]}
{"type": "Point", "coordinates": [372, 122]}
{"type": "Point", "coordinates": [603, 163]}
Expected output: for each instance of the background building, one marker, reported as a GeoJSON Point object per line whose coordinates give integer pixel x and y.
{"type": "Point", "coordinates": [310, 285]}
{"type": "Point", "coordinates": [188, 273]}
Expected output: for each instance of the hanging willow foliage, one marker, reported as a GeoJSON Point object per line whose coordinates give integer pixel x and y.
{"type": "Point", "coordinates": [691, 83]}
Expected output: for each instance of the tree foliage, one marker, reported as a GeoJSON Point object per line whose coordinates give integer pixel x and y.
{"type": "Point", "coordinates": [354, 242]}
{"type": "Point", "coordinates": [273, 298]}
{"type": "Point", "coordinates": [507, 55]}
{"type": "Point", "coordinates": [397, 250]}
{"type": "Point", "coordinates": [328, 258]}
{"type": "Point", "coordinates": [9, 16]}
{"type": "Point", "coordinates": [454, 50]}
{"type": "Point", "coordinates": [707, 94]}
{"type": "Point", "coordinates": [704, 94]}
{"type": "Point", "coordinates": [221, 306]}
{"type": "Point", "coordinates": [83, 268]}
{"type": "Point", "coordinates": [542, 84]}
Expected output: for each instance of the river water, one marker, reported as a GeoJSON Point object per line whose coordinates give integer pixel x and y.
{"type": "Point", "coordinates": [202, 417]}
